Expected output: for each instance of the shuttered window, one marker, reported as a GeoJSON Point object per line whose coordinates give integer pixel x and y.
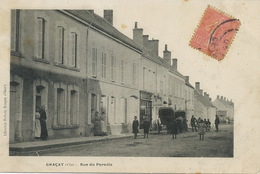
{"type": "Point", "coordinates": [74, 49]}
{"type": "Point", "coordinates": [103, 64]}
{"type": "Point", "coordinates": [61, 44]}
{"type": "Point", "coordinates": [94, 62]}
{"type": "Point", "coordinates": [113, 69]}
{"type": "Point", "coordinates": [40, 37]}
{"type": "Point", "coordinates": [122, 70]}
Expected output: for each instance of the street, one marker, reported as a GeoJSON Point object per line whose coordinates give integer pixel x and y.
{"type": "Point", "coordinates": [215, 144]}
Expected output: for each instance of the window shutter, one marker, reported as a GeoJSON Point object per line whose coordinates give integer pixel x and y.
{"type": "Point", "coordinates": [40, 38]}
{"type": "Point", "coordinates": [73, 49]}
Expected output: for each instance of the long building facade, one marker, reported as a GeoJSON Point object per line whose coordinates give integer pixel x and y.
{"type": "Point", "coordinates": [75, 62]}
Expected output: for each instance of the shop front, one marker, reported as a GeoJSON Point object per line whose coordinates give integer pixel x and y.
{"type": "Point", "coordinates": [145, 107]}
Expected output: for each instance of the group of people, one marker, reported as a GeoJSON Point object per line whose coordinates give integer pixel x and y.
{"type": "Point", "coordinates": [40, 123]}
{"type": "Point", "coordinates": [195, 124]}
{"type": "Point", "coordinates": [146, 126]}
{"type": "Point", "coordinates": [100, 127]}
{"type": "Point", "coordinates": [201, 126]}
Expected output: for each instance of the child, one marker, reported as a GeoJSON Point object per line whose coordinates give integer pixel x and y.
{"type": "Point", "coordinates": [201, 129]}
{"type": "Point", "coordinates": [135, 126]}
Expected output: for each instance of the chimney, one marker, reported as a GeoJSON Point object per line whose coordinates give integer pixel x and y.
{"type": "Point", "coordinates": [108, 16]}
{"type": "Point", "coordinates": [145, 41]}
{"type": "Point", "coordinates": [197, 85]}
{"type": "Point", "coordinates": [138, 35]}
{"type": "Point", "coordinates": [224, 98]}
{"type": "Point", "coordinates": [153, 46]}
{"type": "Point", "coordinates": [205, 94]}
{"type": "Point", "coordinates": [167, 55]}
{"type": "Point", "coordinates": [91, 11]}
{"type": "Point", "coordinates": [187, 79]}
{"type": "Point", "coordinates": [221, 98]}
{"type": "Point", "coordinates": [201, 91]}
{"type": "Point", "coordinates": [217, 96]}
{"type": "Point", "coordinates": [174, 63]}
{"type": "Point", "coordinates": [210, 99]}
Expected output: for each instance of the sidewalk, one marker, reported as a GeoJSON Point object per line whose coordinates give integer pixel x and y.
{"type": "Point", "coordinates": [54, 143]}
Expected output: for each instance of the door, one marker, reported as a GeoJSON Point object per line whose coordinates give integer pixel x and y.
{"type": "Point", "coordinates": [14, 111]}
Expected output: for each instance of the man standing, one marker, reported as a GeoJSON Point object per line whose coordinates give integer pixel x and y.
{"type": "Point", "coordinates": [216, 123]}
{"type": "Point", "coordinates": [193, 123]}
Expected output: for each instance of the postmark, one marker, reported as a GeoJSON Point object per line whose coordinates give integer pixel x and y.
{"type": "Point", "coordinates": [215, 33]}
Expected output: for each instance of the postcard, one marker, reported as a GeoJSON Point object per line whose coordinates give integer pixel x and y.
{"type": "Point", "coordinates": [130, 86]}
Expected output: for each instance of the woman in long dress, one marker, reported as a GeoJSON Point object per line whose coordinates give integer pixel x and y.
{"type": "Point", "coordinates": [43, 118]}
{"type": "Point", "coordinates": [103, 124]}
{"type": "Point", "coordinates": [97, 125]}
{"type": "Point", "coordinates": [37, 124]}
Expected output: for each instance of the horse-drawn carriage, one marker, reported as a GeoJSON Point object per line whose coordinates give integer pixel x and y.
{"type": "Point", "coordinates": [167, 115]}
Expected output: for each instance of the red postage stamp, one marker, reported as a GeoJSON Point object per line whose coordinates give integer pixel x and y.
{"type": "Point", "coordinates": [215, 33]}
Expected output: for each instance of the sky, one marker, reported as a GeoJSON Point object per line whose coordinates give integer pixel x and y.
{"type": "Point", "coordinates": [173, 23]}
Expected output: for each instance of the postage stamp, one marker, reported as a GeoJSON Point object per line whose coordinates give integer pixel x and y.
{"type": "Point", "coordinates": [215, 33]}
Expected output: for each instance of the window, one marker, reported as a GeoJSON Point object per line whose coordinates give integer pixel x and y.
{"type": "Point", "coordinates": [61, 107]}
{"type": "Point", "coordinates": [60, 45]}
{"type": "Point", "coordinates": [134, 74]}
{"type": "Point", "coordinates": [113, 69]}
{"type": "Point", "coordinates": [73, 49]}
{"type": "Point", "coordinates": [144, 76]}
{"type": "Point", "coordinates": [103, 64]}
{"type": "Point", "coordinates": [122, 71]}
{"type": "Point", "coordinates": [41, 37]}
{"type": "Point", "coordinates": [73, 107]}
{"type": "Point", "coordinates": [161, 86]}
{"type": "Point", "coordinates": [15, 35]}
{"type": "Point", "coordinates": [94, 62]}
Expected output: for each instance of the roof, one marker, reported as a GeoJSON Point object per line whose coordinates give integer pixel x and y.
{"type": "Point", "coordinates": [225, 103]}
{"type": "Point", "coordinates": [101, 24]}
{"type": "Point", "coordinates": [188, 84]}
{"type": "Point", "coordinates": [157, 59]}
{"type": "Point", "coordinates": [203, 99]}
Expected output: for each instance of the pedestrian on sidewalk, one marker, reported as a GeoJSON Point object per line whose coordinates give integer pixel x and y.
{"type": "Point", "coordinates": [103, 124]}
{"type": "Point", "coordinates": [43, 118]}
{"type": "Point", "coordinates": [97, 124]}
{"type": "Point", "coordinates": [216, 123]}
{"type": "Point", "coordinates": [135, 127]}
{"type": "Point", "coordinates": [37, 123]}
{"type": "Point", "coordinates": [208, 125]}
{"type": "Point", "coordinates": [193, 123]}
{"type": "Point", "coordinates": [201, 129]}
{"type": "Point", "coordinates": [174, 127]}
{"type": "Point", "coordinates": [146, 125]}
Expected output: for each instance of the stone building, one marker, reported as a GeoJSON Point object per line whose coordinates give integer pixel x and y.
{"type": "Point", "coordinates": [160, 84]}
{"type": "Point", "coordinates": [189, 99]}
{"type": "Point", "coordinates": [75, 62]}
{"type": "Point", "coordinates": [203, 106]}
{"type": "Point", "coordinates": [71, 61]}
{"type": "Point", "coordinates": [225, 108]}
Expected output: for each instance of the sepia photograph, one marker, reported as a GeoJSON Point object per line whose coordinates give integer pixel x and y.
{"type": "Point", "coordinates": [133, 86]}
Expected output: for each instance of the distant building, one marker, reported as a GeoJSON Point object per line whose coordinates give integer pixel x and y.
{"type": "Point", "coordinates": [160, 82]}
{"type": "Point", "coordinates": [189, 99]}
{"type": "Point", "coordinates": [203, 106]}
{"type": "Point", "coordinates": [225, 108]}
